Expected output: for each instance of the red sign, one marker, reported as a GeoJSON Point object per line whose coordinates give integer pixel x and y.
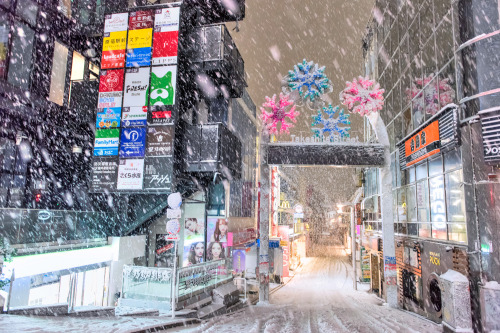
{"type": "Point", "coordinates": [161, 114]}
{"type": "Point", "coordinates": [283, 234]}
{"type": "Point", "coordinates": [111, 80]}
{"type": "Point", "coordinates": [165, 248]}
{"type": "Point", "coordinates": [165, 44]}
{"type": "Point", "coordinates": [142, 19]}
{"type": "Point", "coordinates": [423, 144]}
{"type": "Point", "coordinates": [113, 59]}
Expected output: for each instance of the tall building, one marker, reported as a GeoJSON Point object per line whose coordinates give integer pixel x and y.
{"type": "Point", "coordinates": [58, 197]}
{"type": "Point", "coordinates": [437, 62]}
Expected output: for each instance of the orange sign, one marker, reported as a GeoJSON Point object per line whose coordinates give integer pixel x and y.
{"type": "Point", "coordinates": [423, 144]}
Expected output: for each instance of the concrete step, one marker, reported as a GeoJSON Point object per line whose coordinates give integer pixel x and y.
{"type": "Point", "coordinates": [238, 306]}
{"type": "Point", "coordinates": [198, 305]}
{"type": "Point", "coordinates": [93, 311]}
{"type": "Point", "coordinates": [127, 311]}
{"type": "Point", "coordinates": [227, 294]}
{"type": "Point", "coordinates": [186, 313]}
{"type": "Point", "coordinates": [41, 310]}
{"type": "Point", "coordinates": [182, 304]}
{"type": "Point", "coordinates": [211, 310]}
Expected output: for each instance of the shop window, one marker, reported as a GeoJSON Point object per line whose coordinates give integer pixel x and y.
{"type": "Point", "coordinates": [27, 9]}
{"type": "Point", "coordinates": [77, 67]}
{"type": "Point", "coordinates": [423, 201]}
{"type": "Point", "coordinates": [402, 205]}
{"type": "Point", "coordinates": [452, 160]}
{"type": "Point", "coordinates": [436, 166]}
{"type": "Point", "coordinates": [424, 230]}
{"type": "Point", "coordinates": [455, 202]}
{"type": "Point", "coordinates": [411, 206]}
{"type": "Point", "coordinates": [58, 76]}
{"type": "Point", "coordinates": [21, 55]}
{"type": "Point", "coordinates": [421, 170]}
{"type": "Point", "coordinates": [411, 175]}
{"type": "Point", "coordinates": [457, 232]}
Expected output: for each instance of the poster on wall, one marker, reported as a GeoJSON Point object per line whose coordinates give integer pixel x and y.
{"type": "Point", "coordinates": [130, 174]}
{"type": "Point", "coordinates": [163, 80]}
{"type": "Point", "coordinates": [108, 118]}
{"type": "Point", "coordinates": [158, 173]}
{"type": "Point", "coordinates": [216, 251]}
{"type": "Point", "coordinates": [194, 241]}
{"type": "Point", "coordinates": [140, 37]}
{"type": "Point", "coordinates": [106, 142]}
{"type": "Point", "coordinates": [217, 229]}
{"type": "Point", "coordinates": [104, 173]}
{"type": "Point", "coordinates": [134, 116]}
{"type": "Point", "coordinates": [239, 261]}
{"type": "Point", "coordinates": [136, 87]}
{"type": "Point", "coordinates": [132, 142]}
{"type": "Point", "coordinates": [160, 141]}
{"type": "Point", "coordinates": [164, 251]}
{"type": "Point", "coordinates": [113, 49]}
{"type": "Point", "coordinates": [110, 89]}
{"type": "Point", "coordinates": [166, 36]}
{"type": "Point", "coordinates": [4, 40]}
{"type": "Point", "coordinates": [283, 234]}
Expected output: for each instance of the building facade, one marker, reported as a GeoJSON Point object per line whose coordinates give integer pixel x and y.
{"type": "Point", "coordinates": [436, 61]}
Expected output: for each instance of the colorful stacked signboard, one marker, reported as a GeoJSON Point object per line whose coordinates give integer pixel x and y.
{"type": "Point", "coordinates": [134, 138]}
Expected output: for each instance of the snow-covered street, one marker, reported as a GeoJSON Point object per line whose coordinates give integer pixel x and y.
{"type": "Point", "coordinates": [320, 298]}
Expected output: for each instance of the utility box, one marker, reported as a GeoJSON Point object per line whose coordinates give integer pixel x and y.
{"type": "Point", "coordinates": [456, 302]}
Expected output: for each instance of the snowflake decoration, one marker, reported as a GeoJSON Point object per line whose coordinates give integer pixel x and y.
{"type": "Point", "coordinates": [309, 79]}
{"type": "Point", "coordinates": [362, 96]}
{"type": "Point", "coordinates": [331, 125]}
{"type": "Point", "coordinates": [436, 94]}
{"type": "Point", "coordinates": [278, 114]}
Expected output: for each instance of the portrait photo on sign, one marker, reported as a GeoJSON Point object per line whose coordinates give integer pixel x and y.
{"type": "Point", "coordinates": [194, 241]}
{"type": "Point", "coordinates": [216, 251]}
{"type": "Point", "coordinates": [217, 229]}
{"type": "Point", "coordinates": [194, 253]}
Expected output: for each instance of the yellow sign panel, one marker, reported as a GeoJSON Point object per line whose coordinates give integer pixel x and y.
{"type": "Point", "coordinates": [115, 41]}
{"type": "Point", "coordinates": [140, 38]}
{"type": "Point", "coordinates": [283, 243]}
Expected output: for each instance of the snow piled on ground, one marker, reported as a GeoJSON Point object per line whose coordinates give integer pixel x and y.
{"type": "Point", "coordinates": [320, 298]}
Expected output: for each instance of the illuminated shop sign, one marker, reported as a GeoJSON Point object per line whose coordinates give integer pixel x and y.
{"type": "Point", "coordinates": [438, 133]}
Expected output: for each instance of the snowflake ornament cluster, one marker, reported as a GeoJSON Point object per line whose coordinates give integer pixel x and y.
{"type": "Point", "coordinates": [309, 80]}
{"type": "Point", "coordinates": [279, 111]}
{"type": "Point", "coordinates": [436, 94]}
{"type": "Point", "coordinates": [362, 96]}
{"type": "Point", "coordinates": [331, 125]}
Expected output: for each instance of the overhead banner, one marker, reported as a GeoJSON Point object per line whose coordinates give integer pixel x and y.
{"type": "Point", "coordinates": [136, 87]}
{"type": "Point", "coordinates": [108, 118]}
{"type": "Point", "coordinates": [110, 89]}
{"type": "Point", "coordinates": [140, 37]}
{"type": "Point", "coordinates": [130, 174]}
{"type": "Point", "coordinates": [135, 116]}
{"type": "Point", "coordinates": [106, 142]}
{"type": "Point", "coordinates": [158, 173]}
{"type": "Point", "coordinates": [132, 142]}
{"type": "Point", "coordinates": [104, 173]}
{"type": "Point", "coordinates": [166, 36]}
{"type": "Point", "coordinates": [160, 141]}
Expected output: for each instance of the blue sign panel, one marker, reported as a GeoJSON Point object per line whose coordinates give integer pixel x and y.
{"type": "Point", "coordinates": [138, 57]}
{"type": "Point", "coordinates": [108, 118]}
{"type": "Point", "coordinates": [133, 142]}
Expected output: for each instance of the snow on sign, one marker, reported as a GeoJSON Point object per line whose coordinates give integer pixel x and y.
{"type": "Point", "coordinates": [130, 174]}
{"type": "Point", "coordinates": [134, 116]}
{"type": "Point", "coordinates": [140, 36]}
{"type": "Point", "coordinates": [132, 142]}
{"type": "Point", "coordinates": [110, 89]}
{"type": "Point", "coordinates": [136, 87]}
{"type": "Point", "coordinates": [106, 142]}
{"type": "Point", "coordinates": [166, 36]}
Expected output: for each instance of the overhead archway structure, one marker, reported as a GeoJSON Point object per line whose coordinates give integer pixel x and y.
{"type": "Point", "coordinates": [332, 154]}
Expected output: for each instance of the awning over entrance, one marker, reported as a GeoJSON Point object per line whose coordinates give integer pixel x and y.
{"type": "Point", "coordinates": [354, 155]}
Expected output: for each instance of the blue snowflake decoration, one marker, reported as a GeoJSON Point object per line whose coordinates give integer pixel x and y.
{"type": "Point", "coordinates": [331, 125]}
{"type": "Point", "coordinates": [309, 79]}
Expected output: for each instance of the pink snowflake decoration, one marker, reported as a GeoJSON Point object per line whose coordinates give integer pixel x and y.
{"type": "Point", "coordinates": [362, 96]}
{"type": "Point", "coordinates": [278, 114]}
{"type": "Point", "coordinates": [436, 94]}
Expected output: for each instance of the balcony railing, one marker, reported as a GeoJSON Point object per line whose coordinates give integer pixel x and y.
{"type": "Point", "coordinates": [212, 148]}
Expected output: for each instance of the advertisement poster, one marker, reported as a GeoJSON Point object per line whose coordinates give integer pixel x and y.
{"type": "Point", "coordinates": [194, 241]}
{"type": "Point", "coordinates": [160, 140]}
{"type": "Point", "coordinates": [106, 142]}
{"type": "Point", "coordinates": [136, 87]}
{"type": "Point", "coordinates": [283, 234]}
{"type": "Point", "coordinates": [104, 173]}
{"type": "Point", "coordinates": [166, 36]}
{"type": "Point", "coordinates": [110, 89]}
{"type": "Point", "coordinates": [4, 40]}
{"type": "Point", "coordinates": [140, 37]}
{"type": "Point", "coordinates": [135, 116]}
{"type": "Point", "coordinates": [164, 251]}
{"type": "Point", "coordinates": [217, 229]}
{"type": "Point", "coordinates": [116, 22]}
{"type": "Point", "coordinates": [239, 261]}
{"type": "Point", "coordinates": [130, 174]}
{"type": "Point", "coordinates": [132, 142]}
{"type": "Point", "coordinates": [160, 115]}
{"type": "Point", "coordinates": [113, 49]}
{"type": "Point", "coordinates": [108, 118]}
{"type": "Point", "coordinates": [158, 173]}
{"type": "Point", "coordinates": [163, 81]}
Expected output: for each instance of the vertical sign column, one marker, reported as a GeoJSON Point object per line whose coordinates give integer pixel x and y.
{"type": "Point", "coordinates": [160, 136]}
